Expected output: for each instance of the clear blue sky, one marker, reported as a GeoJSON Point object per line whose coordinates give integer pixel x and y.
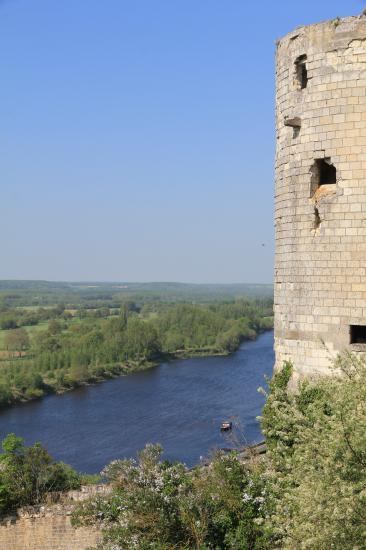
{"type": "Point", "coordinates": [137, 137]}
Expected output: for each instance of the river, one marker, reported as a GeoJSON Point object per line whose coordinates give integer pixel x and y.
{"type": "Point", "coordinates": [178, 404]}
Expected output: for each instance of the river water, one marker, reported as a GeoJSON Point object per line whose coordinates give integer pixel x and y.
{"type": "Point", "coordinates": [179, 404]}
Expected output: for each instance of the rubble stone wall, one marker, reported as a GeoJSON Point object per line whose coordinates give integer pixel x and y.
{"type": "Point", "coordinates": [48, 526]}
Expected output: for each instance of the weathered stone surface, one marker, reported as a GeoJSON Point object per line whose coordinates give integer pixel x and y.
{"type": "Point", "coordinates": [294, 122]}
{"type": "Point", "coordinates": [320, 283]}
{"type": "Point", "coordinates": [48, 527]}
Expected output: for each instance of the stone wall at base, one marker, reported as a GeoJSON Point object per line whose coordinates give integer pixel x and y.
{"type": "Point", "coordinates": [48, 526]}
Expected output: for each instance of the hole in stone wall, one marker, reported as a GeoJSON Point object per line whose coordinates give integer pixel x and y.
{"type": "Point", "coordinates": [296, 131]}
{"type": "Point", "coordinates": [317, 219]}
{"type": "Point", "coordinates": [301, 71]}
{"type": "Point", "coordinates": [358, 334]}
{"type": "Point", "coordinates": [323, 172]}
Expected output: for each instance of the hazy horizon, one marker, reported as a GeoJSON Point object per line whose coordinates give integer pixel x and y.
{"type": "Point", "coordinates": [137, 139]}
{"type": "Point", "coordinates": [147, 282]}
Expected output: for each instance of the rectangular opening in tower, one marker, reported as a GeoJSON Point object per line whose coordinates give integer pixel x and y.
{"type": "Point", "coordinates": [301, 71]}
{"type": "Point", "coordinates": [323, 172]}
{"type": "Point", "coordinates": [358, 334]}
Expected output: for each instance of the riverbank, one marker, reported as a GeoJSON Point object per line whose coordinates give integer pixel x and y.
{"type": "Point", "coordinates": [112, 371]}
{"type": "Point", "coordinates": [68, 353]}
{"type": "Point", "coordinates": [179, 404]}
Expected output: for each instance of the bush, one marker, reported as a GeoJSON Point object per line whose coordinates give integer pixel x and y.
{"type": "Point", "coordinates": [159, 505]}
{"type": "Point", "coordinates": [317, 456]}
{"type": "Point", "coordinates": [28, 473]}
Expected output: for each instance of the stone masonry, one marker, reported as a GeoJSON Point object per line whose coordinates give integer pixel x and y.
{"type": "Point", "coordinates": [320, 212]}
{"type": "Point", "coordinates": [48, 526]}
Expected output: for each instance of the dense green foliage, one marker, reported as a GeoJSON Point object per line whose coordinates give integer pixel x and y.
{"type": "Point", "coordinates": [317, 454]}
{"type": "Point", "coordinates": [159, 505]}
{"type": "Point", "coordinates": [62, 348]}
{"type": "Point", "coordinates": [28, 473]}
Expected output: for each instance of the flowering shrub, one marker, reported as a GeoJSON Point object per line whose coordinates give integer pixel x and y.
{"type": "Point", "coordinates": [159, 505]}
{"type": "Point", "coordinates": [316, 441]}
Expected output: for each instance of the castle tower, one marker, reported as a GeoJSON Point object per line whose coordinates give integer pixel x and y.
{"type": "Point", "coordinates": [320, 214]}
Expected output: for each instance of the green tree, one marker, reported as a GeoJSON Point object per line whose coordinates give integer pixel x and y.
{"type": "Point", "coordinates": [47, 342]}
{"type": "Point", "coordinates": [17, 340]}
{"type": "Point", "coordinates": [28, 473]}
{"type": "Point", "coordinates": [54, 327]}
{"type": "Point", "coordinates": [317, 455]}
{"type": "Point", "coordinates": [8, 321]}
{"type": "Point", "coordinates": [141, 339]}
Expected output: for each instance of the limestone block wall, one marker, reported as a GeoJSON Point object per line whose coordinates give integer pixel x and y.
{"type": "Point", "coordinates": [320, 267]}
{"type": "Point", "coordinates": [48, 527]}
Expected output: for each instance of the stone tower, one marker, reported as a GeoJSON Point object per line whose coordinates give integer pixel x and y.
{"type": "Point", "coordinates": [320, 213]}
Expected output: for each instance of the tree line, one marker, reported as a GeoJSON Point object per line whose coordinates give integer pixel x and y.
{"type": "Point", "coordinates": [70, 352]}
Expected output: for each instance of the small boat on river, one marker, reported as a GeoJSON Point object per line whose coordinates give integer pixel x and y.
{"type": "Point", "coordinates": [226, 426]}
